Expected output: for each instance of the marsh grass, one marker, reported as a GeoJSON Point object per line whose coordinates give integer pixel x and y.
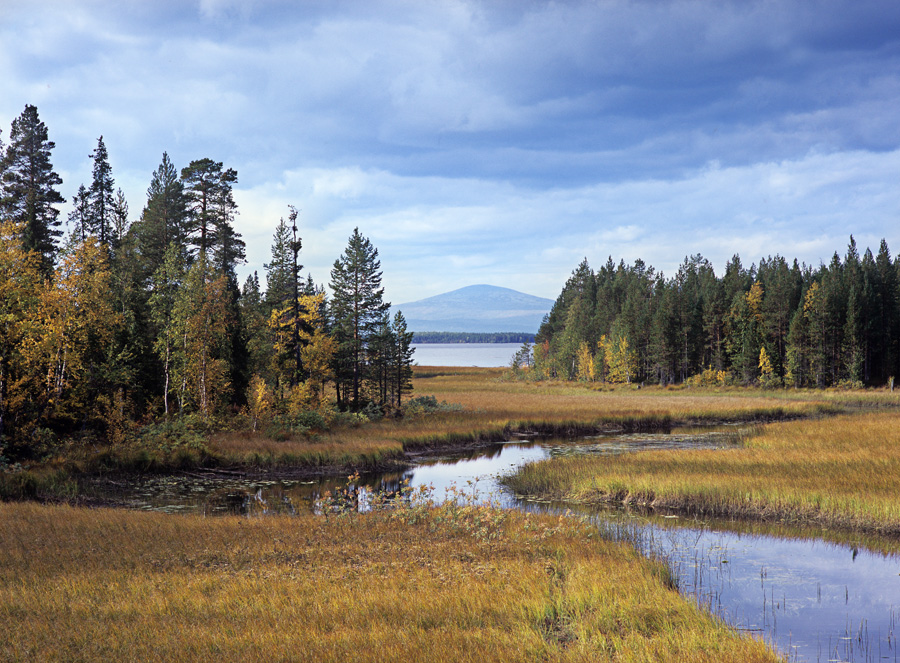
{"type": "Point", "coordinates": [841, 472]}
{"type": "Point", "coordinates": [463, 584]}
{"type": "Point", "coordinates": [495, 410]}
{"type": "Point", "coordinates": [483, 409]}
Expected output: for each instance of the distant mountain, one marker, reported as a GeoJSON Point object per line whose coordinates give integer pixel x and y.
{"type": "Point", "coordinates": [476, 308]}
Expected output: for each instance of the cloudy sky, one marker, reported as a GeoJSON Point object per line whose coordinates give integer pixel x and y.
{"type": "Point", "coordinates": [495, 141]}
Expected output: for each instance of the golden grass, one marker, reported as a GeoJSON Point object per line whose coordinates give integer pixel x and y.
{"type": "Point", "coordinates": [494, 410]}
{"type": "Point", "coordinates": [463, 584]}
{"type": "Point", "coordinates": [842, 471]}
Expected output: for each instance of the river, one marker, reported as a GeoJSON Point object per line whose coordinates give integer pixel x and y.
{"type": "Point", "coordinates": [811, 599]}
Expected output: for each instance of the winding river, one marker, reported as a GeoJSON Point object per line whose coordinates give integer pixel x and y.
{"type": "Point", "coordinates": [813, 600]}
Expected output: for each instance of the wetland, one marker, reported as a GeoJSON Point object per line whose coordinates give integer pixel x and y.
{"type": "Point", "coordinates": [809, 573]}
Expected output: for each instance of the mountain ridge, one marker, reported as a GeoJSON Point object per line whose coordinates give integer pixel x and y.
{"type": "Point", "coordinates": [479, 308]}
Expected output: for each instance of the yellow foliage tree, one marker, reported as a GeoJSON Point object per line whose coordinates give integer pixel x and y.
{"type": "Point", "coordinates": [621, 360]}
{"type": "Point", "coordinates": [317, 350]}
{"type": "Point", "coordinates": [767, 375]}
{"type": "Point", "coordinates": [53, 334]}
{"type": "Point", "coordinates": [584, 363]}
{"type": "Point", "coordinates": [20, 291]}
{"type": "Point", "coordinates": [259, 400]}
{"type": "Point", "coordinates": [754, 301]}
{"type": "Point", "coordinates": [202, 316]}
{"type": "Point", "coordinates": [78, 319]}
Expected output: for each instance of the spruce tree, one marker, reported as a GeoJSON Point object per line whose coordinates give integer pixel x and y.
{"type": "Point", "coordinates": [80, 216]}
{"type": "Point", "coordinates": [254, 330]}
{"type": "Point", "coordinates": [885, 310]}
{"type": "Point", "coordinates": [163, 221]}
{"type": "Point", "coordinates": [279, 279]}
{"type": "Point", "coordinates": [402, 358]}
{"type": "Point", "coordinates": [29, 186]}
{"type": "Point", "coordinates": [356, 311]}
{"type": "Point", "coordinates": [101, 195]}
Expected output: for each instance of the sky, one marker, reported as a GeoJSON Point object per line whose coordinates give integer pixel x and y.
{"type": "Point", "coordinates": [495, 141]}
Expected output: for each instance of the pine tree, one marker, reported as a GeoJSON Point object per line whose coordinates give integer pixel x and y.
{"type": "Point", "coordinates": [356, 311]}
{"type": "Point", "coordinates": [101, 195]}
{"type": "Point", "coordinates": [80, 216]}
{"type": "Point", "coordinates": [402, 358]}
{"type": "Point", "coordinates": [209, 194]}
{"type": "Point", "coordinates": [164, 218]}
{"type": "Point", "coordinates": [29, 186]}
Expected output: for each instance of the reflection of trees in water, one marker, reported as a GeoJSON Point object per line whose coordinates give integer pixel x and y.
{"type": "Point", "coordinates": [488, 452]}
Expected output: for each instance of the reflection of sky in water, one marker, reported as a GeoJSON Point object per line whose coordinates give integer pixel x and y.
{"type": "Point", "coordinates": [443, 475]}
{"type": "Point", "coordinates": [809, 597]}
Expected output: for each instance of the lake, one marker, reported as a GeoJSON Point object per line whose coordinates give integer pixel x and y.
{"type": "Point", "coordinates": [486, 355]}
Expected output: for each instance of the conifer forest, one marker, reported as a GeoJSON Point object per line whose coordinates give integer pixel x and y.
{"type": "Point", "coordinates": [776, 324]}
{"type": "Point", "coordinates": [122, 322]}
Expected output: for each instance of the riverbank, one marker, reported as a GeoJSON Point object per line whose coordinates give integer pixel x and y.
{"type": "Point", "coordinates": [840, 472]}
{"type": "Point", "coordinates": [474, 407]}
{"type": "Point", "coordinates": [453, 583]}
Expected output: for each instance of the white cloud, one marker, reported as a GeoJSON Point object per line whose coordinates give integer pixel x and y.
{"type": "Point", "coordinates": [531, 240]}
{"type": "Point", "coordinates": [515, 137]}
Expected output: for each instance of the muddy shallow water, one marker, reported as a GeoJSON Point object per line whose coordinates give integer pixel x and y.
{"type": "Point", "coordinates": [813, 600]}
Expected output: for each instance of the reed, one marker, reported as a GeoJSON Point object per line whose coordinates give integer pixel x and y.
{"type": "Point", "coordinates": [486, 409]}
{"type": "Point", "coordinates": [463, 584]}
{"type": "Point", "coordinates": [842, 472]}
{"type": "Point", "coordinates": [494, 410]}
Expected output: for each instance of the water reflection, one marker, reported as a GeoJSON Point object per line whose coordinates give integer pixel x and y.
{"type": "Point", "coordinates": [816, 601]}
{"type": "Point", "coordinates": [813, 600]}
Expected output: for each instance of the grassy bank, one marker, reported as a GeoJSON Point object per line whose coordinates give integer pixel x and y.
{"type": "Point", "coordinates": [481, 408]}
{"type": "Point", "coordinates": [462, 584]}
{"type": "Point", "coordinates": [839, 472]}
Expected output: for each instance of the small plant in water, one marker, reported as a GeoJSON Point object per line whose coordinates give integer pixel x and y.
{"type": "Point", "coordinates": [461, 509]}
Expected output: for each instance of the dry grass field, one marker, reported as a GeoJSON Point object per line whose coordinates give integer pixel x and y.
{"type": "Point", "coordinates": [491, 409]}
{"type": "Point", "coordinates": [451, 584]}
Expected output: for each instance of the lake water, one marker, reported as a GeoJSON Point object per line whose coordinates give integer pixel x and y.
{"type": "Point", "coordinates": [811, 599]}
{"type": "Point", "coordinates": [486, 355]}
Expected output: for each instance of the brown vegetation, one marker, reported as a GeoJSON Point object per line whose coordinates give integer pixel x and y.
{"type": "Point", "coordinates": [461, 584]}
{"type": "Point", "coordinates": [842, 471]}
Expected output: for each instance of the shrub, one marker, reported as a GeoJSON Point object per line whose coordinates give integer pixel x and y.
{"type": "Point", "coordinates": [710, 377]}
{"type": "Point", "coordinates": [184, 432]}
{"type": "Point", "coordinates": [427, 405]}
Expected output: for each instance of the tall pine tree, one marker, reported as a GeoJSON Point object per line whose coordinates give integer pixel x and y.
{"type": "Point", "coordinates": [356, 311]}
{"type": "Point", "coordinates": [29, 184]}
{"type": "Point", "coordinates": [101, 195]}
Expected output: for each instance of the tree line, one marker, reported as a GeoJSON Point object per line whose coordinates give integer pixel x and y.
{"type": "Point", "coordinates": [123, 322]}
{"type": "Point", "coordinates": [777, 323]}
